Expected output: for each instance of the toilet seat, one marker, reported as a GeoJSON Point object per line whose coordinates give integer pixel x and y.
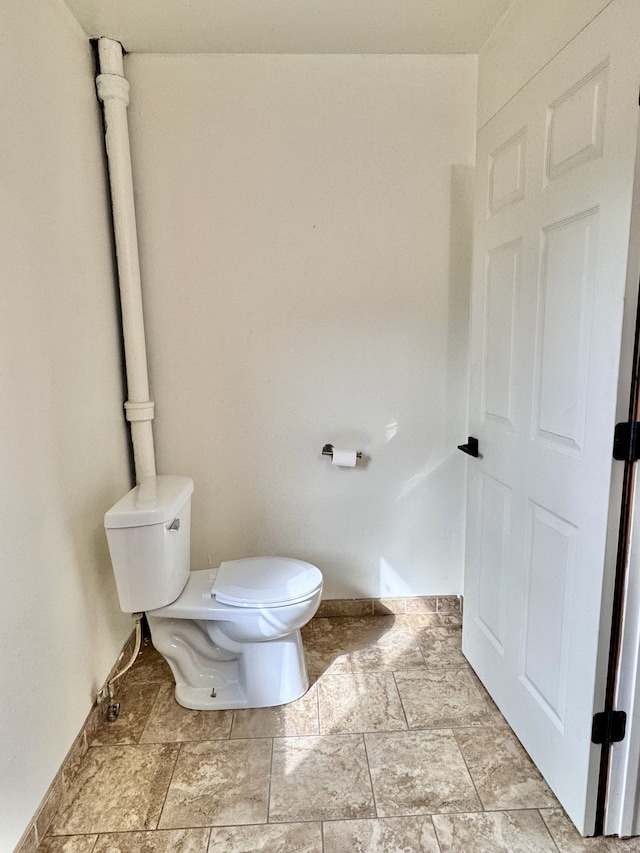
{"type": "Point", "coordinates": [265, 582]}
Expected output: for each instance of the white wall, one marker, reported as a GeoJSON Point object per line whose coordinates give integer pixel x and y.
{"type": "Point", "coordinates": [303, 284]}
{"type": "Point", "coordinates": [530, 34]}
{"type": "Point", "coordinates": [63, 450]}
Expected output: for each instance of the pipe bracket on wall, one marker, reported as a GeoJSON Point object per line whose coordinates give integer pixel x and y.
{"type": "Point", "coordinates": [139, 411]}
{"type": "Point", "coordinates": [112, 86]}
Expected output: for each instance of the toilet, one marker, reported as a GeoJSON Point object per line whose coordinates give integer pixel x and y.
{"type": "Point", "coordinates": [230, 635]}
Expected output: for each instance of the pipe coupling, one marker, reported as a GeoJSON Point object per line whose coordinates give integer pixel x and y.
{"type": "Point", "coordinates": [112, 86]}
{"type": "Point", "coordinates": [139, 411]}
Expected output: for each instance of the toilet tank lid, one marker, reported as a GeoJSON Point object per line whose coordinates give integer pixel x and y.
{"type": "Point", "coordinates": [153, 501]}
{"type": "Point", "coordinates": [265, 580]}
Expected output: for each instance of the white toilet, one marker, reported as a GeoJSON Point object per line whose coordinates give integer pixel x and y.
{"type": "Point", "coordinates": [231, 636]}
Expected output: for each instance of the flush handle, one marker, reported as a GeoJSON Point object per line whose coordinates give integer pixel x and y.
{"type": "Point", "coordinates": [175, 525]}
{"type": "Point", "coordinates": [471, 447]}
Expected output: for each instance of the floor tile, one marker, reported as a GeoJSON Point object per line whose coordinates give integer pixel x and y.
{"type": "Point", "coordinates": [384, 748]}
{"type": "Point", "coordinates": [68, 844]}
{"type": "Point", "coordinates": [442, 699]}
{"type": "Point", "coordinates": [281, 838]}
{"type": "Point", "coordinates": [419, 772]}
{"type": "Point", "coordinates": [321, 626]}
{"type": "Point", "coordinates": [569, 840]}
{"type": "Point", "coordinates": [117, 789]}
{"type": "Point", "coordinates": [354, 632]}
{"type": "Point", "coordinates": [320, 778]}
{"type": "Point", "coordinates": [452, 620]}
{"type": "Point", "coordinates": [161, 841]}
{"type": "Point", "coordinates": [136, 702]}
{"type": "Point", "coordinates": [169, 721]}
{"type": "Point", "coordinates": [353, 702]}
{"type": "Point", "coordinates": [441, 647]}
{"type": "Point", "coordinates": [495, 715]}
{"type": "Point", "coordinates": [383, 835]}
{"type": "Point", "coordinates": [219, 782]}
{"type": "Point", "coordinates": [503, 773]}
{"type": "Point", "coordinates": [395, 648]}
{"type": "Point", "coordinates": [423, 620]}
{"type": "Point", "coordinates": [149, 666]}
{"type": "Point", "coordinates": [374, 629]}
{"type": "Point", "coordinates": [497, 832]}
{"type": "Point", "coordinates": [324, 654]}
{"type": "Point", "coordinates": [295, 718]}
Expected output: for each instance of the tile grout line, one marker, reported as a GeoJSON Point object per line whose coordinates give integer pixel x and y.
{"type": "Point", "coordinates": [435, 832]}
{"type": "Point", "coordinates": [173, 771]}
{"type": "Point", "coordinates": [544, 823]}
{"type": "Point", "coordinates": [395, 681]}
{"type": "Point", "coordinates": [473, 781]}
{"type": "Point", "coordinates": [318, 716]}
{"type": "Point", "coordinates": [233, 722]}
{"type": "Point", "coordinates": [373, 790]}
{"type": "Point", "coordinates": [424, 660]}
{"type": "Point", "coordinates": [273, 746]}
{"type": "Point", "coordinates": [139, 742]}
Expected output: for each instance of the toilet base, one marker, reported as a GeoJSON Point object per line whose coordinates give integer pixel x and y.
{"type": "Point", "coordinates": [227, 696]}
{"type": "Point", "coordinates": [256, 675]}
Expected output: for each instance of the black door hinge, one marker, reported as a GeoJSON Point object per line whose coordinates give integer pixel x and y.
{"type": "Point", "coordinates": [626, 441]}
{"type": "Point", "coordinates": [609, 727]}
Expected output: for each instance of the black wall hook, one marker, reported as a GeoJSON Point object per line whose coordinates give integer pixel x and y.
{"type": "Point", "coordinates": [471, 447]}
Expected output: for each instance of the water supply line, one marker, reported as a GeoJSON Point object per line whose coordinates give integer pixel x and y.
{"type": "Point", "coordinates": [113, 92]}
{"type": "Point", "coordinates": [108, 691]}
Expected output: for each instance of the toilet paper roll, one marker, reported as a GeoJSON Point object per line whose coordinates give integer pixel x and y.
{"type": "Point", "coordinates": [344, 458]}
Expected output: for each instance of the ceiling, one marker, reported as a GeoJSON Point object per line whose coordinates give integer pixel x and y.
{"type": "Point", "coordinates": [292, 26]}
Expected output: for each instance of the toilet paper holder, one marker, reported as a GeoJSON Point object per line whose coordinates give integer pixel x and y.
{"type": "Point", "coordinates": [327, 450]}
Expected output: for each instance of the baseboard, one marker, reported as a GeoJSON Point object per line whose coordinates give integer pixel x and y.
{"type": "Point", "coordinates": [410, 605]}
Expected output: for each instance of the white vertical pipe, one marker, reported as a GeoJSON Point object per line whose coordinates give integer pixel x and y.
{"type": "Point", "coordinates": [113, 91]}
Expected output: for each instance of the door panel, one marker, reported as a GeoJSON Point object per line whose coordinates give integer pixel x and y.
{"type": "Point", "coordinates": [565, 307]}
{"type": "Point", "coordinates": [495, 514]}
{"type": "Point", "coordinates": [553, 201]}
{"type": "Point", "coordinates": [500, 301]}
{"type": "Point", "coordinates": [507, 166]}
{"type": "Point", "coordinates": [549, 576]}
{"type": "Point", "coordinates": [575, 124]}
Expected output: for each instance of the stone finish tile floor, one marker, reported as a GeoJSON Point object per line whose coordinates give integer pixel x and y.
{"type": "Point", "coordinates": [396, 748]}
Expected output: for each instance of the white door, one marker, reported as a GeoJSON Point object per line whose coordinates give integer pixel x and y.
{"type": "Point", "coordinates": [554, 186]}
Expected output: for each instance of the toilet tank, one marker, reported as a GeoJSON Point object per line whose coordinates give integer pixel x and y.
{"type": "Point", "coordinates": [149, 536]}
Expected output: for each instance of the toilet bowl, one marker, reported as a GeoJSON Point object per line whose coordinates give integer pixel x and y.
{"type": "Point", "coordinates": [231, 636]}
{"type": "Point", "coordinates": [238, 655]}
